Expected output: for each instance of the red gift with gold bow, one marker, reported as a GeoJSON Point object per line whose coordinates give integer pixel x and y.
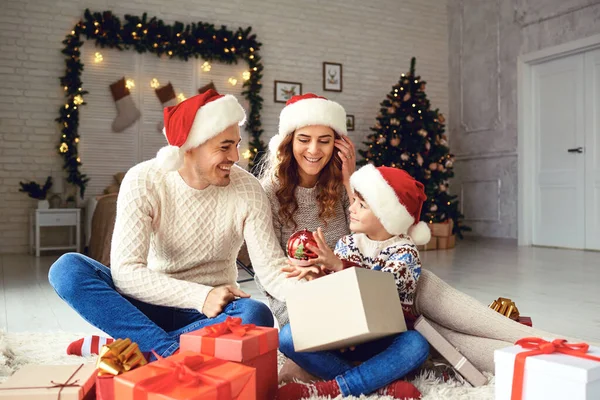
{"type": "Point", "coordinates": [509, 309]}
{"type": "Point", "coordinates": [248, 344]}
{"type": "Point", "coordinates": [114, 359]}
{"type": "Point", "coordinates": [187, 376]}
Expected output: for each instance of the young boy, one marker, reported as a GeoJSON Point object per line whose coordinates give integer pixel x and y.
{"type": "Point", "coordinates": [384, 217]}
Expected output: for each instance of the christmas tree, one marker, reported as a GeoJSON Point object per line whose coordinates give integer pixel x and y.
{"type": "Point", "coordinates": [299, 252]}
{"type": "Point", "coordinates": [410, 135]}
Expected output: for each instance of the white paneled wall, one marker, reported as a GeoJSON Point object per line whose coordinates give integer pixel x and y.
{"type": "Point", "coordinates": [104, 152]}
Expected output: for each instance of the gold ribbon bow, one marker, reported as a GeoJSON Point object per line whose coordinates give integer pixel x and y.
{"type": "Point", "coordinates": [120, 356]}
{"type": "Point", "coordinates": [506, 307]}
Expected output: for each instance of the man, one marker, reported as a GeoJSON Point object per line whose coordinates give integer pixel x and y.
{"type": "Point", "coordinates": [181, 220]}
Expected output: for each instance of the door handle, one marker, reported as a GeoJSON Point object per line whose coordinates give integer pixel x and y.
{"type": "Point", "coordinates": [576, 150]}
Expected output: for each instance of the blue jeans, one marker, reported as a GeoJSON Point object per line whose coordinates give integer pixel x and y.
{"type": "Point", "coordinates": [87, 286]}
{"type": "Point", "coordinates": [383, 361]}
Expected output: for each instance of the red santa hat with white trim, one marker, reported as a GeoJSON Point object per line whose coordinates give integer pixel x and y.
{"type": "Point", "coordinates": [308, 109]}
{"type": "Point", "coordinates": [193, 122]}
{"type": "Point", "coordinates": [395, 198]}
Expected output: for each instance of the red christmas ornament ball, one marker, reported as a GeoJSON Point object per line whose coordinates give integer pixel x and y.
{"type": "Point", "coordinates": [297, 251]}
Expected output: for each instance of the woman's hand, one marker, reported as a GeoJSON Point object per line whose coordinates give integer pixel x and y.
{"type": "Point", "coordinates": [309, 273]}
{"type": "Point", "coordinates": [325, 256]}
{"type": "Point", "coordinates": [347, 153]}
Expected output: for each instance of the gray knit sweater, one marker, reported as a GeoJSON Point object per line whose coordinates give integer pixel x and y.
{"type": "Point", "coordinates": [306, 217]}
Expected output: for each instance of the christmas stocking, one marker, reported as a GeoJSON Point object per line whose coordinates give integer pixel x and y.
{"type": "Point", "coordinates": [166, 96]}
{"type": "Point", "coordinates": [127, 112]}
{"type": "Point", "coordinates": [206, 87]}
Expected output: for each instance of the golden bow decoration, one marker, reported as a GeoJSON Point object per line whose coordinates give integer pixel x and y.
{"type": "Point", "coordinates": [505, 307]}
{"type": "Point", "coordinates": [120, 356]}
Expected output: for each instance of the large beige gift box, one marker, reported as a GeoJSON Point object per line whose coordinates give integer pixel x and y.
{"type": "Point", "coordinates": [344, 309]}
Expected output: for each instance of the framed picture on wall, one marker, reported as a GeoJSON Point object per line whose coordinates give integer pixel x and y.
{"type": "Point", "coordinates": [332, 77]}
{"type": "Point", "coordinates": [285, 90]}
{"type": "Point", "coordinates": [350, 122]}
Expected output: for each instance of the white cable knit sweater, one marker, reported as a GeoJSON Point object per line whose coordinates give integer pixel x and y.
{"type": "Point", "coordinates": [172, 243]}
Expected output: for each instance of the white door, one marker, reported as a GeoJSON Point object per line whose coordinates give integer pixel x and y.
{"type": "Point", "coordinates": [592, 150]}
{"type": "Point", "coordinates": [558, 107]}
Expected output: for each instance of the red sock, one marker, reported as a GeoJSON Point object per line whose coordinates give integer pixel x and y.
{"type": "Point", "coordinates": [88, 345]}
{"type": "Point", "coordinates": [297, 391]}
{"type": "Point", "coordinates": [400, 390]}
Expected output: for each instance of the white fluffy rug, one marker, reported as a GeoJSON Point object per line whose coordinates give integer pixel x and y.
{"type": "Point", "coordinates": [19, 349]}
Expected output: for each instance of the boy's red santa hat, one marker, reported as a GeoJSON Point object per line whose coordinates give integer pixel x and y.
{"type": "Point", "coordinates": [395, 198]}
{"type": "Point", "coordinates": [194, 121]}
{"type": "Point", "coordinates": [308, 109]}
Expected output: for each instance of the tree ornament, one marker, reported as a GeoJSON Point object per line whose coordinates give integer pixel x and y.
{"type": "Point", "coordinates": [410, 118]}
{"type": "Point", "coordinates": [395, 121]}
{"type": "Point", "coordinates": [422, 132]}
{"type": "Point", "coordinates": [433, 166]}
{"type": "Point", "coordinates": [433, 208]}
{"type": "Point", "coordinates": [395, 141]}
{"type": "Point", "coordinates": [404, 157]}
{"type": "Point", "coordinates": [297, 250]}
{"type": "Point", "coordinates": [427, 145]}
{"type": "Point", "coordinates": [419, 159]}
{"type": "Point", "coordinates": [406, 97]}
{"type": "Point", "coordinates": [441, 118]}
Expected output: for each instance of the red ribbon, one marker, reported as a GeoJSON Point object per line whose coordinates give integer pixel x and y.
{"type": "Point", "coordinates": [230, 325]}
{"type": "Point", "coordinates": [182, 373]}
{"type": "Point", "coordinates": [539, 346]}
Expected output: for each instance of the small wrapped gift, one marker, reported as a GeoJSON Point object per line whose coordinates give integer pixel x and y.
{"type": "Point", "coordinates": [506, 307]}
{"type": "Point", "coordinates": [188, 376]}
{"type": "Point", "coordinates": [50, 382]}
{"type": "Point", "coordinates": [525, 320]}
{"type": "Point", "coordinates": [114, 359]}
{"type": "Point", "coordinates": [537, 369]}
{"type": "Point", "coordinates": [250, 345]}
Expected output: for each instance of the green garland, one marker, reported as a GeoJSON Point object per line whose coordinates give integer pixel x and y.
{"type": "Point", "coordinates": [176, 41]}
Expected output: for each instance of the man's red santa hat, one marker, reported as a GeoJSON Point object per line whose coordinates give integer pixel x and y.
{"type": "Point", "coordinates": [194, 121]}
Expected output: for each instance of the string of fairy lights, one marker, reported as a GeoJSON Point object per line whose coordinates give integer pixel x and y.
{"type": "Point", "coordinates": [175, 41]}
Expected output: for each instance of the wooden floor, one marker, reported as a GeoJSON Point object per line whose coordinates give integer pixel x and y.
{"type": "Point", "coordinates": [559, 289]}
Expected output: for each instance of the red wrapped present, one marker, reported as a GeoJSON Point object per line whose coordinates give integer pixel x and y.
{"type": "Point", "coordinates": [187, 376]}
{"type": "Point", "coordinates": [120, 356]}
{"type": "Point", "coordinates": [525, 321]}
{"type": "Point", "coordinates": [250, 345]}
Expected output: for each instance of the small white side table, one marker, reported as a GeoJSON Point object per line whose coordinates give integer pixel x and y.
{"type": "Point", "coordinates": [55, 217]}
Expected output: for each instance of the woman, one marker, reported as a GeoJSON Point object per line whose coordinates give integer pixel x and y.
{"type": "Point", "coordinates": [307, 174]}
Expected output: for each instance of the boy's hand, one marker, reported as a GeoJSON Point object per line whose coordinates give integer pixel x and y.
{"type": "Point", "coordinates": [326, 257]}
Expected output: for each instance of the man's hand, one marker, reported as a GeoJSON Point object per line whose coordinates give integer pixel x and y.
{"type": "Point", "coordinates": [219, 297]}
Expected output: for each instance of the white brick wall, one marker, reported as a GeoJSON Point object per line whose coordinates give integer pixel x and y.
{"type": "Point", "coordinates": [374, 41]}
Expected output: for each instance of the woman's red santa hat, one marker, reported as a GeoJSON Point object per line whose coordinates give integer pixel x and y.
{"type": "Point", "coordinates": [395, 198]}
{"type": "Point", "coordinates": [194, 121]}
{"type": "Point", "coordinates": [305, 110]}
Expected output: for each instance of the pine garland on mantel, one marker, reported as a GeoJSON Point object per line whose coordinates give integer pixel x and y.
{"type": "Point", "coordinates": [198, 40]}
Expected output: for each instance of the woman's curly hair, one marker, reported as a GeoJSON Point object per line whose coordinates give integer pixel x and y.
{"type": "Point", "coordinates": [283, 169]}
